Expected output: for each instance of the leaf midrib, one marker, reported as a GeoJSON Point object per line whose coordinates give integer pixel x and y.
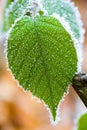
{"type": "Point", "coordinates": [44, 65]}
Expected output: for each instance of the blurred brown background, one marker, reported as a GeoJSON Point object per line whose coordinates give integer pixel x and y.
{"type": "Point", "coordinates": [19, 111]}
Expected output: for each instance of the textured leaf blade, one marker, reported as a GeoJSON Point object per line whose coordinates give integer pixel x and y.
{"type": "Point", "coordinates": [42, 57]}
{"type": "Point", "coordinates": [67, 10]}
{"type": "Point", "coordinates": [82, 123]}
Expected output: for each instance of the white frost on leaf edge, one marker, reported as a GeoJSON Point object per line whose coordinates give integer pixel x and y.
{"type": "Point", "coordinates": [58, 117]}
{"type": "Point", "coordinates": [79, 47]}
{"type": "Point", "coordinates": [80, 40]}
{"type": "Point", "coordinates": [78, 19]}
{"type": "Point", "coordinates": [10, 7]}
{"type": "Point", "coordinates": [76, 41]}
{"type": "Point", "coordinates": [35, 7]}
{"type": "Point", "coordinates": [5, 45]}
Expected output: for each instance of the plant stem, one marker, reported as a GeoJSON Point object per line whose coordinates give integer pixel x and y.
{"type": "Point", "coordinates": [79, 84]}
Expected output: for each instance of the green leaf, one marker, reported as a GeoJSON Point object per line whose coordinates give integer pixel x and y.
{"type": "Point", "coordinates": [8, 2]}
{"type": "Point", "coordinates": [82, 123]}
{"type": "Point", "coordinates": [67, 10]}
{"type": "Point", "coordinates": [15, 10]}
{"type": "Point", "coordinates": [42, 57]}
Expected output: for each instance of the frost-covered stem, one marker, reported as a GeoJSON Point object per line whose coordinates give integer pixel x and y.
{"type": "Point", "coordinates": [79, 83]}
{"type": "Point", "coordinates": [35, 7]}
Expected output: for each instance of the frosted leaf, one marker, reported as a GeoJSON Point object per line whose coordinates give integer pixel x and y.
{"type": "Point", "coordinates": [14, 10]}
{"type": "Point", "coordinates": [78, 47]}
{"type": "Point", "coordinates": [42, 57]}
{"type": "Point", "coordinates": [67, 10]}
{"type": "Point", "coordinates": [8, 2]}
{"type": "Point", "coordinates": [35, 7]}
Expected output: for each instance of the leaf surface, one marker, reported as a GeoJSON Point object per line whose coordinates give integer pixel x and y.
{"type": "Point", "coordinates": [42, 57]}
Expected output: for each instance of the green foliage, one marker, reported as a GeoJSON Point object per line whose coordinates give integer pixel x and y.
{"type": "Point", "coordinates": [66, 10]}
{"type": "Point", "coordinates": [8, 2]}
{"type": "Point", "coordinates": [61, 7]}
{"type": "Point", "coordinates": [15, 10]}
{"type": "Point", "coordinates": [82, 123]}
{"type": "Point", "coordinates": [42, 57]}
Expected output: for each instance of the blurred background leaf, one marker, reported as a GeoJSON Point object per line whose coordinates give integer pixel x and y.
{"type": "Point", "coordinates": [82, 123]}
